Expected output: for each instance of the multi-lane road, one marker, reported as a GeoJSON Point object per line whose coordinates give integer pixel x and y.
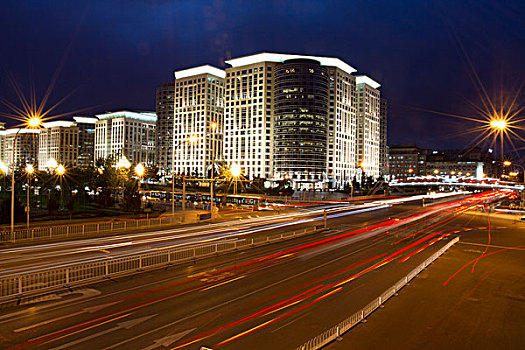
{"type": "Point", "coordinates": [271, 297]}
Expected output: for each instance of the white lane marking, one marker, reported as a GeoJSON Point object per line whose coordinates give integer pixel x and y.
{"type": "Point", "coordinates": [121, 325]}
{"type": "Point", "coordinates": [86, 293]}
{"type": "Point", "coordinates": [91, 309]}
{"type": "Point", "coordinates": [168, 340]}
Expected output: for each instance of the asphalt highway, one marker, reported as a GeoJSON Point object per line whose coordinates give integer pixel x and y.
{"type": "Point", "coordinates": [272, 297]}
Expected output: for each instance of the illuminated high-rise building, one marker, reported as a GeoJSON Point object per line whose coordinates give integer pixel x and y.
{"type": "Point", "coordinates": [199, 111]}
{"type": "Point", "coordinates": [368, 125]}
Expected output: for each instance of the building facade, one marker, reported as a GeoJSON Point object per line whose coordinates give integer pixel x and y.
{"type": "Point", "coordinates": [406, 161]}
{"type": "Point", "coordinates": [165, 104]}
{"type": "Point", "coordinates": [250, 117]}
{"type": "Point", "coordinates": [199, 112]}
{"type": "Point", "coordinates": [58, 141]}
{"type": "Point", "coordinates": [86, 140]}
{"type": "Point", "coordinates": [368, 125]}
{"type": "Point", "coordinates": [383, 147]}
{"type": "Point", "coordinates": [26, 149]}
{"type": "Point", "coordinates": [126, 133]}
{"type": "Point", "coordinates": [301, 122]}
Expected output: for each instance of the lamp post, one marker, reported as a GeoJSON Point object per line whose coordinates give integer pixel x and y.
{"type": "Point", "coordinates": [213, 126]}
{"type": "Point", "coordinates": [509, 163]}
{"type": "Point", "coordinates": [235, 170]}
{"type": "Point", "coordinates": [33, 123]}
{"type": "Point", "coordinates": [60, 171]}
{"type": "Point", "coordinates": [139, 171]}
{"type": "Point", "coordinates": [191, 140]}
{"type": "Point", "coordinates": [122, 164]}
{"type": "Point", "coordinates": [29, 170]}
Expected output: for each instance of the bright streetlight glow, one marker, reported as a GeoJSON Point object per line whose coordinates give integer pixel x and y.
{"type": "Point", "coordinates": [34, 122]}
{"type": "Point", "coordinates": [235, 169]}
{"type": "Point", "coordinates": [3, 168]}
{"type": "Point", "coordinates": [30, 169]}
{"type": "Point", "coordinates": [436, 171]}
{"type": "Point", "coordinates": [60, 170]}
{"type": "Point", "coordinates": [192, 139]}
{"type": "Point", "coordinates": [51, 163]}
{"type": "Point", "coordinates": [123, 162]}
{"type": "Point", "coordinates": [139, 170]}
{"type": "Point", "coordinates": [410, 170]}
{"type": "Point", "coordinates": [507, 163]}
{"type": "Point", "coordinates": [500, 124]}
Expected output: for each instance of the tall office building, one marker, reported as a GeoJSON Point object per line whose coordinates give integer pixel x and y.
{"type": "Point", "coordinates": [383, 147]}
{"type": "Point", "coordinates": [125, 133]}
{"type": "Point", "coordinates": [59, 141]}
{"type": "Point", "coordinates": [368, 130]}
{"type": "Point", "coordinates": [250, 111]}
{"type": "Point", "coordinates": [301, 121]}
{"type": "Point", "coordinates": [165, 103]}
{"type": "Point", "coordinates": [199, 104]}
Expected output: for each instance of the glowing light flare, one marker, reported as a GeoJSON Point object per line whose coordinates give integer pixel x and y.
{"type": "Point", "coordinates": [30, 169]}
{"type": "Point", "coordinates": [235, 170]}
{"type": "Point", "coordinates": [3, 168]}
{"type": "Point", "coordinates": [139, 170]}
{"type": "Point", "coordinates": [60, 170]}
{"type": "Point", "coordinates": [498, 124]}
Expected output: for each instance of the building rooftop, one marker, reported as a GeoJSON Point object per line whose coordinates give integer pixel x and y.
{"type": "Point", "coordinates": [59, 123]}
{"type": "Point", "coordinates": [363, 79]}
{"type": "Point", "coordinates": [85, 120]}
{"type": "Point", "coordinates": [206, 69]}
{"type": "Point", "coordinates": [144, 116]}
{"type": "Point", "coordinates": [281, 57]}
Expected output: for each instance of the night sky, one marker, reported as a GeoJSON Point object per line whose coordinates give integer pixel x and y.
{"type": "Point", "coordinates": [116, 53]}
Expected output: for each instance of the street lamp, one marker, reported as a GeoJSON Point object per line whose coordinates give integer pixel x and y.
{"type": "Point", "coordinates": [498, 124]}
{"type": "Point", "coordinates": [236, 171]}
{"type": "Point", "coordinates": [29, 170]}
{"type": "Point", "coordinates": [192, 139]}
{"type": "Point", "coordinates": [139, 171]}
{"type": "Point", "coordinates": [213, 127]}
{"type": "Point", "coordinates": [31, 123]}
{"type": "Point", "coordinates": [60, 171]}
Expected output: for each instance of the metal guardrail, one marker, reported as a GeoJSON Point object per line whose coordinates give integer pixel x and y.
{"type": "Point", "coordinates": [336, 331]}
{"type": "Point", "coordinates": [45, 280]}
{"type": "Point", "coordinates": [82, 229]}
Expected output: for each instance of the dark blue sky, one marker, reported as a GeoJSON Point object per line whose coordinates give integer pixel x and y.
{"type": "Point", "coordinates": [118, 52]}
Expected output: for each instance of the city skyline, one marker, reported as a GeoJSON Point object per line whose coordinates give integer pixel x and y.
{"type": "Point", "coordinates": [120, 68]}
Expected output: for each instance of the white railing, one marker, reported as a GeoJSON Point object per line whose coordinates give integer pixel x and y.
{"type": "Point", "coordinates": [38, 281]}
{"type": "Point", "coordinates": [337, 330]}
{"type": "Point", "coordinates": [91, 228]}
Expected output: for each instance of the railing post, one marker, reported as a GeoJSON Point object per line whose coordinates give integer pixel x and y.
{"type": "Point", "coordinates": [107, 268]}
{"type": "Point", "coordinates": [20, 285]}
{"type": "Point", "coordinates": [67, 276]}
{"type": "Point", "coordinates": [140, 262]}
{"type": "Point", "coordinates": [67, 231]}
{"type": "Point", "coordinates": [33, 233]}
{"type": "Point", "coordinates": [83, 229]}
{"type": "Point", "coordinates": [112, 226]}
{"type": "Point", "coordinates": [98, 228]}
{"type": "Point", "coordinates": [50, 232]}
